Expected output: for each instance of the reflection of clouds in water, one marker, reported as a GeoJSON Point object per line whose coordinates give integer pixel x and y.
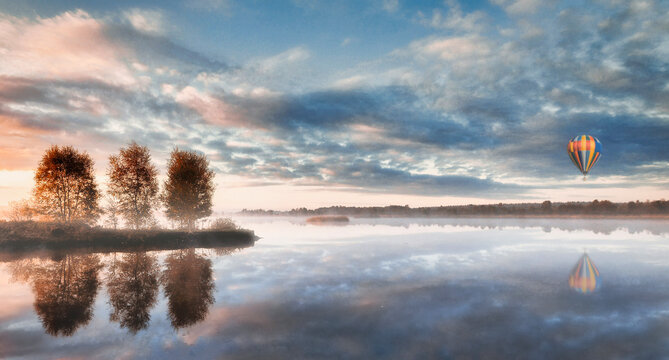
{"type": "Point", "coordinates": [379, 256]}
{"type": "Point", "coordinates": [404, 292]}
{"type": "Point", "coordinates": [514, 295]}
{"type": "Point", "coordinates": [533, 311]}
{"type": "Point", "coordinates": [15, 297]}
{"type": "Point", "coordinates": [460, 255]}
{"type": "Point", "coordinates": [476, 319]}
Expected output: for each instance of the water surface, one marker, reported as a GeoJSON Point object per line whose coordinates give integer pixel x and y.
{"type": "Point", "coordinates": [385, 288]}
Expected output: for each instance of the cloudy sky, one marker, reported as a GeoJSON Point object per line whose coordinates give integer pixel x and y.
{"type": "Point", "coordinates": [317, 103]}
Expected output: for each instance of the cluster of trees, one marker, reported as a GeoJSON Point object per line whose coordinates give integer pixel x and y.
{"type": "Point", "coordinates": [65, 188]}
{"type": "Point", "coordinates": [596, 207]}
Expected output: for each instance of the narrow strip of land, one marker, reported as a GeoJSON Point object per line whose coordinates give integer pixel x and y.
{"type": "Point", "coordinates": [28, 236]}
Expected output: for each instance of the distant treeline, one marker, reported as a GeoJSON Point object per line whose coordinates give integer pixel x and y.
{"type": "Point", "coordinates": [546, 208]}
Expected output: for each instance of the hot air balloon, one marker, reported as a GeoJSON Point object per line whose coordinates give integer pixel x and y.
{"type": "Point", "coordinates": [584, 278]}
{"type": "Point", "coordinates": [584, 151]}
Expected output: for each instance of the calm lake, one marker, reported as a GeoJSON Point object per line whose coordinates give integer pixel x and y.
{"type": "Point", "coordinates": [379, 288]}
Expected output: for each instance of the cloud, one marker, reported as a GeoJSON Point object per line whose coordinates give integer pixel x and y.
{"type": "Point", "coordinates": [160, 51]}
{"type": "Point", "coordinates": [211, 5]}
{"type": "Point", "coordinates": [347, 41]}
{"type": "Point", "coordinates": [374, 177]}
{"type": "Point", "coordinates": [523, 6]}
{"type": "Point", "coordinates": [313, 124]}
{"type": "Point", "coordinates": [452, 48]}
{"type": "Point", "coordinates": [287, 58]}
{"type": "Point", "coordinates": [321, 145]}
{"type": "Point", "coordinates": [390, 5]}
{"type": "Point", "coordinates": [89, 115]}
{"type": "Point", "coordinates": [111, 96]}
{"type": "Point", "coordinates": [145, 20]}
{"type": "Point", "coordinates": [454, 19]}
{"type": "Point", "coordinates": [351, 82]}
{"type": "Point", "coordinates": [212, 109]}
{"type": "Point", "coordinates": [527, 94]}
{"type": "Point", "coordinates": [463, 110]}
{"type": "Point", "coordinates": [44, 48]}
{"type": "Point", "coordinates": [519, 7]}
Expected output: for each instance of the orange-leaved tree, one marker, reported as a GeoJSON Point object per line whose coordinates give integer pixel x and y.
{"type": "Point", "coordinates": [65, 187]}
{"type": "Point", "coordinates": [133, 180]}
{"type": "Point", "coordinates": [188, 189]}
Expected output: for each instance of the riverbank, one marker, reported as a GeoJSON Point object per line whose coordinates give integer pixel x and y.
{"type": "Point", "coordinates": [27, 236]}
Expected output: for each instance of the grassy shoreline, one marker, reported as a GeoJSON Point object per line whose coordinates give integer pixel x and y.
{"type": "Point", "coordinates": [28, 236]}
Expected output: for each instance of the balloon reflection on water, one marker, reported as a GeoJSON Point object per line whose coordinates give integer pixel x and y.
{"type": "Point", "coordinates": [584, 277]}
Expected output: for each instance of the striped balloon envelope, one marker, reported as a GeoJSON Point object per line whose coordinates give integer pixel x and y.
{"type": "Point", "coordinates": [584, 151]}
{"type": "Point", "coordinates": [584, 277]}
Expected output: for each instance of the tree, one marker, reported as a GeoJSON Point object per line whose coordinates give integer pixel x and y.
{"type": "Point", "coordinates": [65, 187]}
{"type": "Point", "coordinates": [21, 210]}
{"type": "Point", "coordinates": [546, 207]}
{"type": "Point", "coordinates": [189, 188]}
{"type": "Point", "coordinates": [112, 211]}
{"type": "Point", "coordinates": [133, 181]}
{"type": "Point", "coordinates": [223, 224]}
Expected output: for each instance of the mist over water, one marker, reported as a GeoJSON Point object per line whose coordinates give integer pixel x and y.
{"type": "Point", "coordinates": [376, 288]}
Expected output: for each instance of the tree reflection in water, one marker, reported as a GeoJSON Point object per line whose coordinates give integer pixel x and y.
{"type": "Point", "coordinates": [64, 288]}
{"type": "Point", "coordinates": [132, 284]}
{"type": "Point", "coordinates": [189, 285]}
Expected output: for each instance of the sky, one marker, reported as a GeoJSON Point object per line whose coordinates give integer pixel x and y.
{"type": "Point", "coordinates": [363, 103]}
